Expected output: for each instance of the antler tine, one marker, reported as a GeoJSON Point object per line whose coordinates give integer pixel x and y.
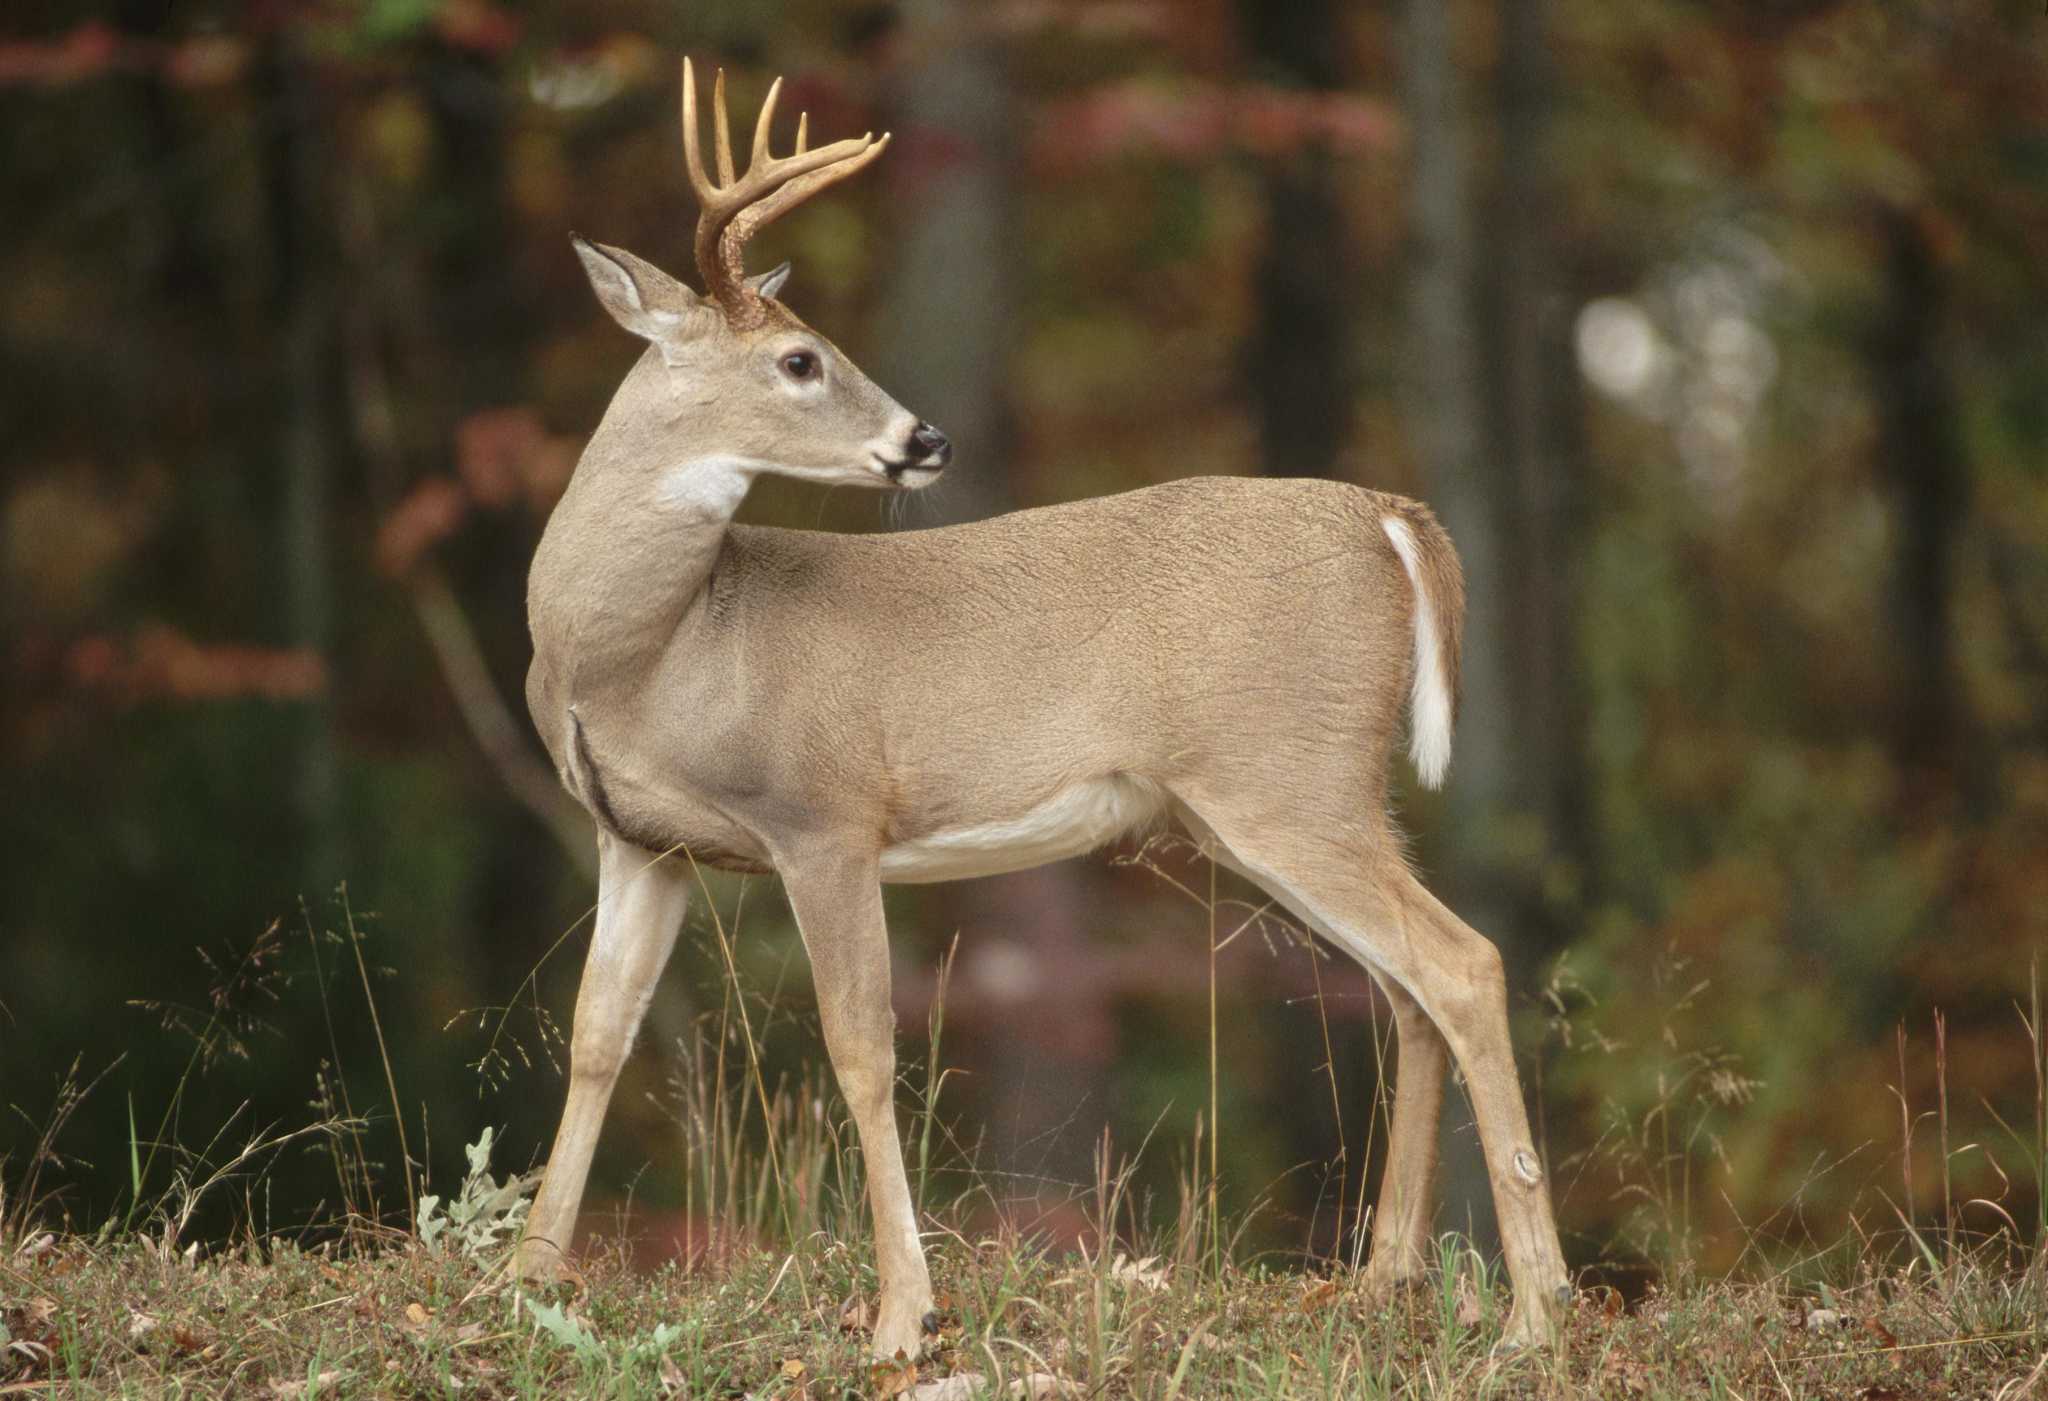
{"type": "Point", "coordinates": [693, 155]}
{"type": "Point", "coordinates": [760, 156]}
{"type": "Point", "coordinates": [731, 209]}
{"type": "Point", "coordinates": [774, 206]}
{"type": "Point", "coordinates": [722, 130]}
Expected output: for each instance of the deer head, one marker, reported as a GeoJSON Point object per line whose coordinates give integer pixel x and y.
{"type": "Point", "coordinates": [734, 371]}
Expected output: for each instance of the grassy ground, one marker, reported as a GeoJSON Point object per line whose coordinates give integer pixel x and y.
{"type": "Point", "coordinates": [780, 1311]}
{"type": "Point", "coordinates": [120, 1317]}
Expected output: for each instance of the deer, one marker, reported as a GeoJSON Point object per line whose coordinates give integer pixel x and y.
{"type": "Point", "coordinates": [1230, 653]}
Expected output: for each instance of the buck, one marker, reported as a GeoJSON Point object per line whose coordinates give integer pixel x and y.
{"type": "Point", "coordinates": [922, 706]}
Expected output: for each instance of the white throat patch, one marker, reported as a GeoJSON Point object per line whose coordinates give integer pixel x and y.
{"type": "Point", "coordinates": [709, 487]}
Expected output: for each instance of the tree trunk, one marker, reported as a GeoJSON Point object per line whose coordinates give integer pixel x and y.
{"type": "Point", "coordinates": [1298, 364]}
{"type": "Point", "coordinates": [1919, 456]}
{"type": "Point", "coordinates": [302, 293]}
{"type": "Point", "coordinates": [947, 328]}
{"type": "Point", "coordinates": [1444, 416]}
{"type": "Point", "coordinates": [1533, 384]}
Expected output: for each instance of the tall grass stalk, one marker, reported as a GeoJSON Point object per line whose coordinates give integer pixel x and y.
{"type": "Point", "coordinates": [405, 1161]}
{"type": "Point", "coordinates": [934, 1076]}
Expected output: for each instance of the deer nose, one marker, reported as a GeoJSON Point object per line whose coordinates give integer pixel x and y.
{"type": "Point", "coordinates": [930, 444]}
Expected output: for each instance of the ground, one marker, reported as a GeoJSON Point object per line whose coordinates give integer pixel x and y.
{"type": "Point", "coordinates": [390, 1317]}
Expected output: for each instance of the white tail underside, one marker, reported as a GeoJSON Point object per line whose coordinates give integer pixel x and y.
{"type": "Point", "coordinates": [1429, 700]}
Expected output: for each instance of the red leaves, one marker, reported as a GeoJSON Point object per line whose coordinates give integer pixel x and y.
{"type": "Point", "coordinates": [505, 455]}
{"type": "Point", "coordinates": [430, 513]}
{"type": "Point", "coordinates": [94, 49]}
{"type": "Point", "coordinates": [161, 663]}
{"type": "Point", "coordinates": [1193, 121]}
{"type": "Point", "coordinates": [503, 458]}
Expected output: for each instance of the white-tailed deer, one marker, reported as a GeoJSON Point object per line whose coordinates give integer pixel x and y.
{"type": "Point", "coordinates": [848, 710]}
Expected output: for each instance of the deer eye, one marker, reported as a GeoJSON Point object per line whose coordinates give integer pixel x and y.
{"type": "Point", "coordinates": [800, 365]}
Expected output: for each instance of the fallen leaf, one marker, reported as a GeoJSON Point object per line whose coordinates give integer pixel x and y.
{"type": "Point", "coordinates": [853, 1315]}
{"type": "Point", "coordinates": [139, 1325]}
{"type": "Point", "coordinates": [1821, 1320]}
{"type": "Point", "coordinates": [1040, 1385]}
{"type": "Point", "coordinates": [1319, 1295]}
{"type": "Point", "coordinates": [893, 1378]}
{"type": "Point", "coordinates": [1469, 1312]}
{"type": "Point", "coordinates": [298, 1386]}
{"type": "Point", "coordinates": [1630, 1373]}
{"type": "Point", "coordinates": [416, 1315]}
{"type": "Point", "coordinates": [793, 1368]}
{"type": "Point", "coordinates": [1884, 1335]}
{"type": "Point", "coordinates": [1147, 1273]}
{"type": "Point", "coordinates": [671, 1376]}
{"type": "Point", "coordinates": [961, 1386]}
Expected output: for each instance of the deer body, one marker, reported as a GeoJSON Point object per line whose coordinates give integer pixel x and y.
{"type": "Point", "coordinates": [932, 688]}
{"type": "Point", "coordinates": [1233, 654]}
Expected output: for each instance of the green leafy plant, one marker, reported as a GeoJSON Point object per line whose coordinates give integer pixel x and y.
{"type": "Point", "coordinates": [485, 1216]}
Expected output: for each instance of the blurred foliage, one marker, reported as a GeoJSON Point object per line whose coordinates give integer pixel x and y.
{"type": "Point", "coordinates": [294, 360]}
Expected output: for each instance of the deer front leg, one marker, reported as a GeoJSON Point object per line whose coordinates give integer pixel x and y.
{"type": "Point", "coordinates": [838, 905]}
{"type": "Point", "coordinates": [640, 903]}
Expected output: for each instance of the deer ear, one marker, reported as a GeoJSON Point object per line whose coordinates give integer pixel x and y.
{"type": "Point", "coordinates": [767, 284]}
{"type": "Point", "coordinates": [639, 295]}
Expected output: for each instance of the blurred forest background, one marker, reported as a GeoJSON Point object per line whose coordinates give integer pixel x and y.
{"type": "Point", "coordinates": [1713, 330]}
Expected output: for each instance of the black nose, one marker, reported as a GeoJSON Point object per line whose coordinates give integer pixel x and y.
{"type": "Point", "coordinates": [930, 444]}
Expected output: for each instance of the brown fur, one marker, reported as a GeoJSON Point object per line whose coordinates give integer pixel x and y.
{"type": "Point", "coordinates": [1235, 652]}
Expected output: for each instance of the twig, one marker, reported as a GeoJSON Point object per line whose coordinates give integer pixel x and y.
{"type": "Point", "coordinates": [483, 708]}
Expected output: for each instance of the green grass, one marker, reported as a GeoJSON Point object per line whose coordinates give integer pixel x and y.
{"type": "Point", "coordinates": [1169, 1304]}
{"type": "Point", "coordinates": [119, 1317]}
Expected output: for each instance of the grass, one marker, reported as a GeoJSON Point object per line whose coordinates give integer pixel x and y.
{"type": "Point", "coordinates": [775, 1304]}
{"type": "Point", "coordinates": [122, 1317]}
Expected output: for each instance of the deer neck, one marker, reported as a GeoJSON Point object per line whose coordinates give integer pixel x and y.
{"type": "Point", "coordinates": [627, 556]}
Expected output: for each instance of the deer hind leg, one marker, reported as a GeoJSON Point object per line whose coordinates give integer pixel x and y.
{"type": "Point", "coordinates": [641, 900]}
{"type": "Point", "coordinates": [837, 901]}
{"type": "Point", "coordinates": [1357, 891]}
{"type": "Point", "coordinates": [1407, 1201]}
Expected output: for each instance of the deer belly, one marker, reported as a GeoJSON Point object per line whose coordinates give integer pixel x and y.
{"type": "Point", "coordinates": [1074, 820]}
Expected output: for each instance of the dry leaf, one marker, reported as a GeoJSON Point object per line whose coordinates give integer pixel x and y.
{"type": "Point", "coordinates": [139, 1325]}
{"type": "Point", "coordinates": [961, 1386]}
{"type": "Point", "coordinates": [1319, 1295]}
{"type": "Point", "coordinates": [1630, 1373]}
{"type": "Point", "coordinates": [1469, 1312]}
{"type": "Point", "coordinates": [1147, 1273]}
{"type": "Point", "coordinates": [1884, 1335]}
{"type": "Point", "coordinates": [853, 1315]}
{"type": "Point", "coordinates": [416, 1315]}
{"type": "Point", "coordinates": [297, 1386]}
{"type": "Point", "coordinates": [671, 1376]}
{"type": "Point", "coordinates": [1821, 1320]}
{"type": "Point", "coordinates": [1040, 1385]}
{"type": "Point", "coordinates": [893, 1378]}
{"type": "Point", "coordinates": [793, 1368]}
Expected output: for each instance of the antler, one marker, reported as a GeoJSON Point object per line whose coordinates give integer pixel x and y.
{"type": "Point", "coordinates": [733, 209]}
